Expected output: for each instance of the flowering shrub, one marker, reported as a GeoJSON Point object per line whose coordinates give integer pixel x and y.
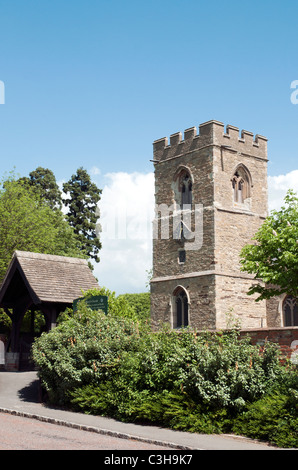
{"type": "Point", "coordinates": [83, 349]}
{"type": "Point", "coordinates": [113, 366]}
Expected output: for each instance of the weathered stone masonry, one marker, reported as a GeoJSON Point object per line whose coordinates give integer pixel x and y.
{"type": "Point", "coordinates": [206, 282]}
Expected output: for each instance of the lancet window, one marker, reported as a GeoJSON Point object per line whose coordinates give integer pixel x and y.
{"type": "Point", "coordinates": [290, 311]}
{"type": "Point", "coordinates": [241, 183]}
{"type": "Point", "coordinates": [185, 188]}
{"type": "Point", "coordinates": [180, 309]}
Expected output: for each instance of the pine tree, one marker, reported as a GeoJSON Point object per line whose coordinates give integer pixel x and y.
{"type": "Point", "coordinates": [81, 200]}
{"type": "Point", "coordinates": [44, 181]}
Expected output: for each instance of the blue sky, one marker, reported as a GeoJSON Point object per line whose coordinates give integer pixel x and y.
{"type": "Point", "coordinates": [93, 83]}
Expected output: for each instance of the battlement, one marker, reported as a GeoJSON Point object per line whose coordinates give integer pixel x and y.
{"type": "Point", "coordinates": [211, 133]}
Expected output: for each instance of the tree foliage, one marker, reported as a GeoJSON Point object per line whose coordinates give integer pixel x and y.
{"type": "Point", "coordinates": [82, 199]}
{"type": "Point", "coordinates": [28, 223]}
{"type": "Point", "coordinates": [133, 306]}
{"type": "Point", "coordinates": [273, 258]}
{"type": "Point", "coordinates": [114, 366]}
{"type": "Point", "coordinates": [44, 180]}
{"type": "Point", "coordinates": [140, 303]}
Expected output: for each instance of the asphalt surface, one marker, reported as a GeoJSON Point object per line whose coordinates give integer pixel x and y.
{"type": "Point", "coordinates": [19, 396]}
{"type": "Point", "coordinates": [20, 433]}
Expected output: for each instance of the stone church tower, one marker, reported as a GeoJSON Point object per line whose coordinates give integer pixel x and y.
{"type": "Point", "coordinates": [211, 198]}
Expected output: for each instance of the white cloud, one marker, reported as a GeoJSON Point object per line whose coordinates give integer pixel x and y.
{"type": "Point", "coordinates": [126, 215]}
{"type": "Point", "coordinates": [95, 171]}
{"type": "Point", "coordinates": [278, 187]}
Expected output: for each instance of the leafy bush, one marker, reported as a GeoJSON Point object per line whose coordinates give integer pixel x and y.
{"type": "Point", "coordinates": [273, 418]}
{"type": "Point", "coordinates": [171, 409]}
{"type": "Point", "coordinates": [81, 350]}
{"type": "Point", "coordinates": [113, 366]}
{"type": "Point", "coordinates": [214, 370]}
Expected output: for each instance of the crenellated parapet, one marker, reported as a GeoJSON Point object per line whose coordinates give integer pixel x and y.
{"type": "Point", "coordinates": [211, 133]}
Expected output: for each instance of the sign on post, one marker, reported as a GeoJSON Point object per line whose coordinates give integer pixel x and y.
{"type": "Point", "coordinates": [96, 302]}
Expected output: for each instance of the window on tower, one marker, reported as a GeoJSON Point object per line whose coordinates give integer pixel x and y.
{"type": "Point", "coordinates": [180, 308]}
{"type": "Point", "coordinates": [181, 256]}
{"type": "Point", "coordinates": [185, 188]}
{"type": "Point", "coordinates": [241, 183]}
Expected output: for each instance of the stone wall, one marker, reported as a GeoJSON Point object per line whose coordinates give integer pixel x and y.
{"type": "Point", "coordinates": [232, 301]}
{"type": "Point", "coordinates": [274, 312]}
{"type": "Point", "coordinates": [201, 291]}
{"type": "Point", "coordinates": [165, 250]}
{"type": "Point", "coordinates": [211, 272]}
{"type": "Point", "coordinates": [12, 361]}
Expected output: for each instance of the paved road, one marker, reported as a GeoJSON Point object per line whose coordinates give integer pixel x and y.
{"type": "Point", "coordinates": [19, 396]}
{"type": "Point", "coordinates": [18, 433]}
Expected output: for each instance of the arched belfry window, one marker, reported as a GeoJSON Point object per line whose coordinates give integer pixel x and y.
{"type": "Point", "coordinates": [183, 187]}
{"type": "Point", "coordinates": [180, 308]}
{"type": "Point", "coordinates": [241, 182]}
{"type": "Point", "coordinates": [290, 311]}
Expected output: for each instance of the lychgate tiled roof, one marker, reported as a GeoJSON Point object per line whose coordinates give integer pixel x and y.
{"type": "Point", "coordinates": [51, 278]}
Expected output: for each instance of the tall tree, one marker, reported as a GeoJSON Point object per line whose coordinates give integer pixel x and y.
{"type": "Point", "coordinates": [28, 223]}
{"type": "Point", "coordinates": [82, 197]}
{"type": "Point", "coordinates": [44, 180]}
{"type": "Point", "coordinates": [273, 258]}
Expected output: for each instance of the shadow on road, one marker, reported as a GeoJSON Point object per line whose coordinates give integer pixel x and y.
{"type": "Point", "coordinates": [31, 393]}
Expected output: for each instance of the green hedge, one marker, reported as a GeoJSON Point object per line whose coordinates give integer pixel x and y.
{"type": "Point", "coordinates": [207, 383]}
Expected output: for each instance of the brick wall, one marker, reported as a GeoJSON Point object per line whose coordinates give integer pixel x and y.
{"type": "Point", "coordinates": [287, 338]}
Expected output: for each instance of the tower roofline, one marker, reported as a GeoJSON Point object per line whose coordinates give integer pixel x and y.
{"type": "Point", "coordinates": [210, 133]}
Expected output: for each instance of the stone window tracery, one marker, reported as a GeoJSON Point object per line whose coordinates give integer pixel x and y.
{"type": "Point", "coordinates": [183, 183]}
{"type": "Point", "coordinates": [290, 311]}
{"type": "Point", "coordinates": [185, 186]}
{"type": "Point", "coordinates": [180, 308]}
{"type": "Point", "coordinates": [241, 183]}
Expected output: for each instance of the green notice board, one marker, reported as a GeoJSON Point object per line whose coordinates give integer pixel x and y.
{"type": "Point", "coordinates": [97, 302]}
